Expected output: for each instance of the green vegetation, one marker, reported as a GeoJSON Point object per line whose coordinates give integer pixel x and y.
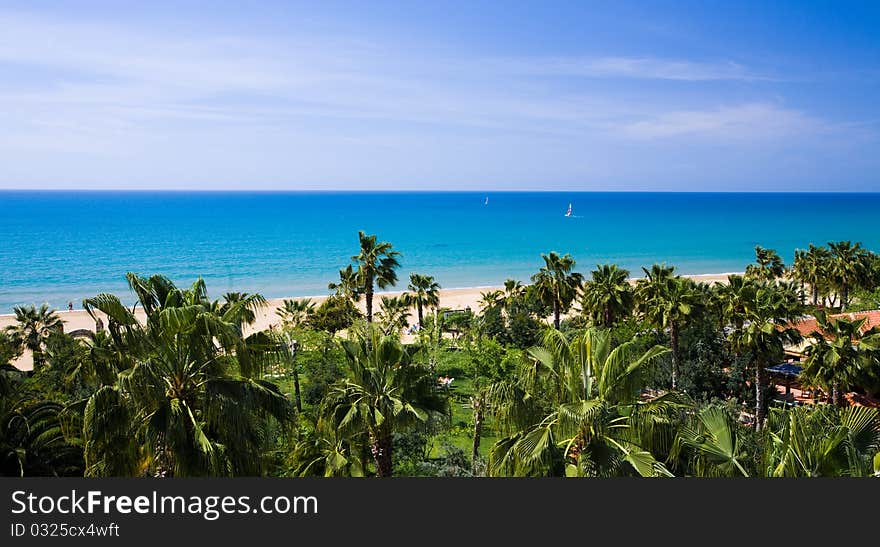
{"type": "Point", "coordinates": [567, 376]}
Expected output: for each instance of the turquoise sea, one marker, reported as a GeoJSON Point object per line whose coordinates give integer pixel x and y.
{"type": "Point", "coordinates": [61, 246]}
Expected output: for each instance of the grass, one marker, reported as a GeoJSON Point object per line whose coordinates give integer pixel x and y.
{"type": "Point", "coordinates": [461, 431]}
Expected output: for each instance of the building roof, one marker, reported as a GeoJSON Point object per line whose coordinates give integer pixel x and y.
{"type": "Point", "coordinates": [808, 325]}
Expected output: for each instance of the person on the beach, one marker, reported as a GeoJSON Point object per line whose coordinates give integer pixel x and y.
{"type": "Point", "coordinates": [70, 306]}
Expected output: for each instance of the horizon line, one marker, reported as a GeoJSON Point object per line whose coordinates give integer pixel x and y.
{"type": "Point", "coordinates": [424, 191]}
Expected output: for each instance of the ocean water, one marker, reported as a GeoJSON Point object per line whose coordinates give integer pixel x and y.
{"type": "Point", "coordinates": [61, 246]}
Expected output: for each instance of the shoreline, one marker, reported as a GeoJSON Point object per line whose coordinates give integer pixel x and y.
{"type": "Point", "coordinates": [706, 277]}
{"type": "Point", "coordinates": [454, 298]}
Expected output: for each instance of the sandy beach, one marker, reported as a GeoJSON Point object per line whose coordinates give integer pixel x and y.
{"type": "Point", "coordinates": [456, 298]}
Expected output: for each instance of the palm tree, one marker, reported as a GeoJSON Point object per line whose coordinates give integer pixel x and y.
{"type": "Point", "coordinates": [478, 406]}
{"type": "Point", "coordinates": [383, 393]}
{"type": "Point", "coordinates": [424, 292]}
{"type": "Point", "coordinates": [711, 437]}
{"type": "Point", "coordinates": [814, 270]}
{"type": "Point", "coordinates": [556, 284]}
{"type": "Point", "coordinates": [576, 410]}
{"type": "Point", "coordinates": [32, 439]}
{"type": "Point", "coordinates": [295, 313]}
{"type": "Point", "coordinates": [800, 272]}
{"type": "Point", "coordinates": [848, 268]}
{"type": "Point", "coordinates": [769, 267]}
{"type": "Point", "coordinates": [823, 441]}
{"type": "Point", "coordinates": [33, 326]}
{"type": "Point", "coordinates": [191, 403]}
{"type": "Point", "coordinates": [240, 307]}
{"type": "Point", "coordinates": [393, 313]}
{"type": "Point", "coordinates": [513, 290]}
{"type": "Point", "coordinates": [322, 451]}
{"type": "Point", "coordinates": [668, 301]}
{"type": "Point", "coordinates": [347, 287]}
{"type": "Point", "coordinates": [761, 314]}
{"type": "Point", "coordinates": [491, 299]}
{"type": "Point", "coordinates": [840, 353]}
{"type": "Point", "coordinates": [376, 264]}
{"type": "Point", "coordinates": [608, 296]}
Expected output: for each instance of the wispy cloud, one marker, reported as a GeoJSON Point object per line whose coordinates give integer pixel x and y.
{"type": "Point", "coordinates": [630, 67]}
{"type": "Point", "coordinates": [145, 97]}
{"type": "Point", "coordinates": [751, 121]}
{"type": "Point", "coordinates": [125, 71]}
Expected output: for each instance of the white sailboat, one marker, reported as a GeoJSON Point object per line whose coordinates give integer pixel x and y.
{"type": "Point", "coordinates": [568, 212]}
{"type": "Point", "coordinates": [487, 200]}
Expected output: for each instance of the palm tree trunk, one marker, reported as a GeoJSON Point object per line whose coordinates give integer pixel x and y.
{"type": "Point", "coordinates": [673, 335]}
{"type": "Point", "coordinates": [419, 309]}
{"type": "Point", "coordinates": [760, 399]}
{"type": "Point", "coordinates": [556, 314]}
{"type": "Point", "coordinates": [368, 294]}
{"type": "Point", "coordinates": [163, 461]}
{"type": "Point", "coordinates": [296, 395]}
{"type": "Point", "coordinates": [364, 456]}
{"type": "Point", "coordinates": [607, 316]}
{"type": "Point", "coordinates": [815, 288]}
{"type": "Point", "coordinates": [835, 393]}
{"type": "Point", "coordinates": [478, 431]}
{"type": "Point", "coordinates": [381, 447]}
{"type": "Point", "coordinates": [844, 297]}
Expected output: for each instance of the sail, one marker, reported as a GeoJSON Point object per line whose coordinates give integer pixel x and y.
{"type": "Point", "coordinates": [568, 213]}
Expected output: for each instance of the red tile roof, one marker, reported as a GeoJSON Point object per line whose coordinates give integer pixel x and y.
{"type": "Point", "coordinates": [809, 325]}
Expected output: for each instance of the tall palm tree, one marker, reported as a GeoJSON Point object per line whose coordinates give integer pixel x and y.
{"type": "Point", "coordinates": [800, 272]}
{"type": "Point", "coordinates": [376, 263]}
{"type": "Point", "coordinates": [32, 327]}
{"type": "Point", "coordinates": [192, 402]}
{"type": "Point", "coordinates": [557, 284]}
{"type": "Point", "coordinates": [848, 268]}
{"type": "Point", "coordinates": [815, 270]}
{"type": "Point", "coordinates": [761, 314]}
{"type": "Point", "coordinates": [668, 301]}
{"type": "Point", "coordinates": [608, 296]}
{"type": "Point", "coordinates": [478, 406]}
{"type": "Point", "coordinates": [424, 292]}
{"type": "Point", "coordinates": [841, 351]}
{"type": "Point", "coordinates": [769, 265]}
{"type": "Point", "coordinates": [587, 417]}
{"type": "Point", "coordinates": [384, 392]}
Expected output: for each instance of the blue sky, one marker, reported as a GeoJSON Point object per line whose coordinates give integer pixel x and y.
{"type": "Point", "coordinates": [680, 96]}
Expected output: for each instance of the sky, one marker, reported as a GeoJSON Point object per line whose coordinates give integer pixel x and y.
{"type": "Point", "coordinates": [433, 95]}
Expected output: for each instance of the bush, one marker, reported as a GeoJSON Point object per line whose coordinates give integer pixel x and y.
{"type": "Point", "coordinates": [9, 349]}
{"type": "Point", "coordinates": [334, 314]}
